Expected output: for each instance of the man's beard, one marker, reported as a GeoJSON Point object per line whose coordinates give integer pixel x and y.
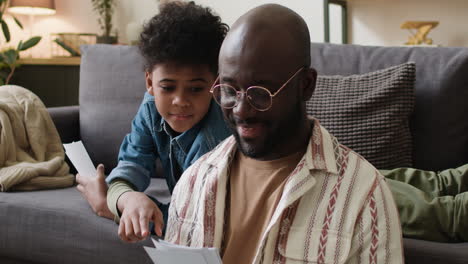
{"type": "Point", "coordinates": [278, 133]}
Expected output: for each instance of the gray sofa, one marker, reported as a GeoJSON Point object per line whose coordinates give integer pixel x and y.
{"type": "Point", "coordinates": [57, 226]}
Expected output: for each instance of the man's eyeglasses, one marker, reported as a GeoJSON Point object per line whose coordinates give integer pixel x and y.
{"type": "Point", "coordinates": [258, 97]}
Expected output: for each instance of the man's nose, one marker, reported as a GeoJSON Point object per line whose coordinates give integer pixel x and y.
{"type": "Point", "coordinates": [243, 110]}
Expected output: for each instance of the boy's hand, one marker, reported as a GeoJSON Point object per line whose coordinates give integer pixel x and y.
{"type": "Point", "coordinates": [137, 211]}
{"type": "Point", "coordinates": [94, 190]}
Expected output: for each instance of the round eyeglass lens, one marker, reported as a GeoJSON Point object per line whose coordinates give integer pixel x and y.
{"type": "Point", "coordinates": [225, 95]}
{"type": "Point", "coordinates": [259, 97]}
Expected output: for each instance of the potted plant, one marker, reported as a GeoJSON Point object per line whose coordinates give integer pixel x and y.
{"type": "Point", "coordinates": [105, 9]}
{"type": "Point", "coordinates": [9, 56]}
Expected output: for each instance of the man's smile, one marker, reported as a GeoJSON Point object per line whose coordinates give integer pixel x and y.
{"type": "Point", "coordinates": [253, 130]}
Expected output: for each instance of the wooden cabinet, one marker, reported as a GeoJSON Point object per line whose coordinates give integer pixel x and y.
{"type": "Point", "coordinates": [54, 80]}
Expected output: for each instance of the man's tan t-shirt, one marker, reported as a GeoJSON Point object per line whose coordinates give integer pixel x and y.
{"type": "Point", "coordinates": [255, 189]}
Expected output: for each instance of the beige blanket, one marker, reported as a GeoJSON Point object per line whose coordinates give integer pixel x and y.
{"type": "Point", "coordinates": [31, 153]}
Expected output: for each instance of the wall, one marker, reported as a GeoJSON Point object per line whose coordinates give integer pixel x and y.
{"type": "Point", "coordinates": [136, 13]}
{"type": "Point", "coordinates": [229, 10]}
{"type": "Point", "coordinates": [377, 22]}
{"type": "Point", "coordinates": [310, 10]}
{"type": "Point", "coordinates": [372, 22]}
{"type": "Point", "coordinates": [78, 16]}
{"type": "Point", "coordinates": [71, 16]}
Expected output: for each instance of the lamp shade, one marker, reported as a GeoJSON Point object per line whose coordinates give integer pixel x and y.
{"type": "Point", "coordinates": [32, 7]}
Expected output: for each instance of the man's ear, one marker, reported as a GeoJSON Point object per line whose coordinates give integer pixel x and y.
{"type": "Point", "coordinates": [149, 82]}
{"type": "Point", "coordinates": [309, 83]}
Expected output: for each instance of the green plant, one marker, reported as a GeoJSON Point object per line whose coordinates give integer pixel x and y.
{"type": "Point", "coordinates": [105, 10]}
{"type": "Point", "coordinates": [9, 56]}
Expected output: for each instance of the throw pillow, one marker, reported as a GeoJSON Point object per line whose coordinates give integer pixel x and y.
{"type": "Point", "coordinates": [369, 113]}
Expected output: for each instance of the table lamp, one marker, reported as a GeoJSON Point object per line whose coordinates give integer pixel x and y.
{"type": "Point", "coordinates": [32, 8]}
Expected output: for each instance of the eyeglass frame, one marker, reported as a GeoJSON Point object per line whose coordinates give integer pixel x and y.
{"type": "Point", "coordinates": [238, 93]}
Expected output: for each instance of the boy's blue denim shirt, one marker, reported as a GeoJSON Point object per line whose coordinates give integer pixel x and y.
{"type": "Point", "coordinates": [150, 139]}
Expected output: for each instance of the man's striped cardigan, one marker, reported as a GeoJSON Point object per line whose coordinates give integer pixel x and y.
{"type": "Point", "coordinates": [335, 208]}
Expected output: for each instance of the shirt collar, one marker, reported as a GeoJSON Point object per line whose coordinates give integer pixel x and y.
{"type": "Point", "coordinates": [159, 127]}
{"type": "Point", "coordinates": [322, 153]}
{"type": "Point", "coordinates": [149, 99]}
{"type": "Point", "coordinates": [186, 139]}
{"type": "Point", "coordinates": [323, 150]}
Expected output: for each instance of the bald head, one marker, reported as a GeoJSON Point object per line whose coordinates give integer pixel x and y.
{"type": "Point", "coordinates": [271, 24]}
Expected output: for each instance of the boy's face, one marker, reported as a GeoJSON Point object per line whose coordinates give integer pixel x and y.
{"type": "Point", "coordinates": [182, 93]}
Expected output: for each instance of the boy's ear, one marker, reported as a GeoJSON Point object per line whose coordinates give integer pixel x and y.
{"type": "Point", "coordinates": [149, 82]}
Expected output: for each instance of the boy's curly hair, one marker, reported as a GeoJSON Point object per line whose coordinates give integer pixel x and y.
{"type": "Point", "coordinates": [183, 33]}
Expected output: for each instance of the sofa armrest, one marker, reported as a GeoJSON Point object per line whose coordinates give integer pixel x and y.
{"type": "Point", "coordinates": [67, 122]}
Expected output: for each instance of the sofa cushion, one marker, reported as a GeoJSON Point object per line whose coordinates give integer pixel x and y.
{"type": "Point", "coordinates": [58, 226]}
{"type": "Point", "coordinates": [369, 113]}
{"type": "Point", "coordinates": [420, 251]}
{"type": "Point", "coordinates": [112, 85]}
{"type": "Point", "coordinates": [439, 125]}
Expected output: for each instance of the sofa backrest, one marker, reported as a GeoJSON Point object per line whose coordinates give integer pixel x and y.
{"type": "Point", "coordinates": [112, 85]}
{"type": "Point", "coordinates": [439, 124]}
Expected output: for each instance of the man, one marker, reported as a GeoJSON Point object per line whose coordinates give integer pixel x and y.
{"type": "Point", "coordinates": [282, 189]}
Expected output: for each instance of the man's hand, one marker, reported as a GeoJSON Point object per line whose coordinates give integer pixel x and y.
{"type": "Point", "coordinates": [137, 211]}
{"type": "Point", "coordinates": [94, 190]}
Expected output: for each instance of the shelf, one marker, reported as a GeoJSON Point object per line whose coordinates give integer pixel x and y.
{"type": "Point", "coordinates": [54, 80]}
{"type": "Point", "coordinates": [65, 61]}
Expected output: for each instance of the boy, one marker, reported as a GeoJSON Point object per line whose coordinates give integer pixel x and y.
{"type": "Point", "coordinates": [177, 121]}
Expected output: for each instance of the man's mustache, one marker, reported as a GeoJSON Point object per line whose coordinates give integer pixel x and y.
{"type": "Point", "coordinates": [246, 122]}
